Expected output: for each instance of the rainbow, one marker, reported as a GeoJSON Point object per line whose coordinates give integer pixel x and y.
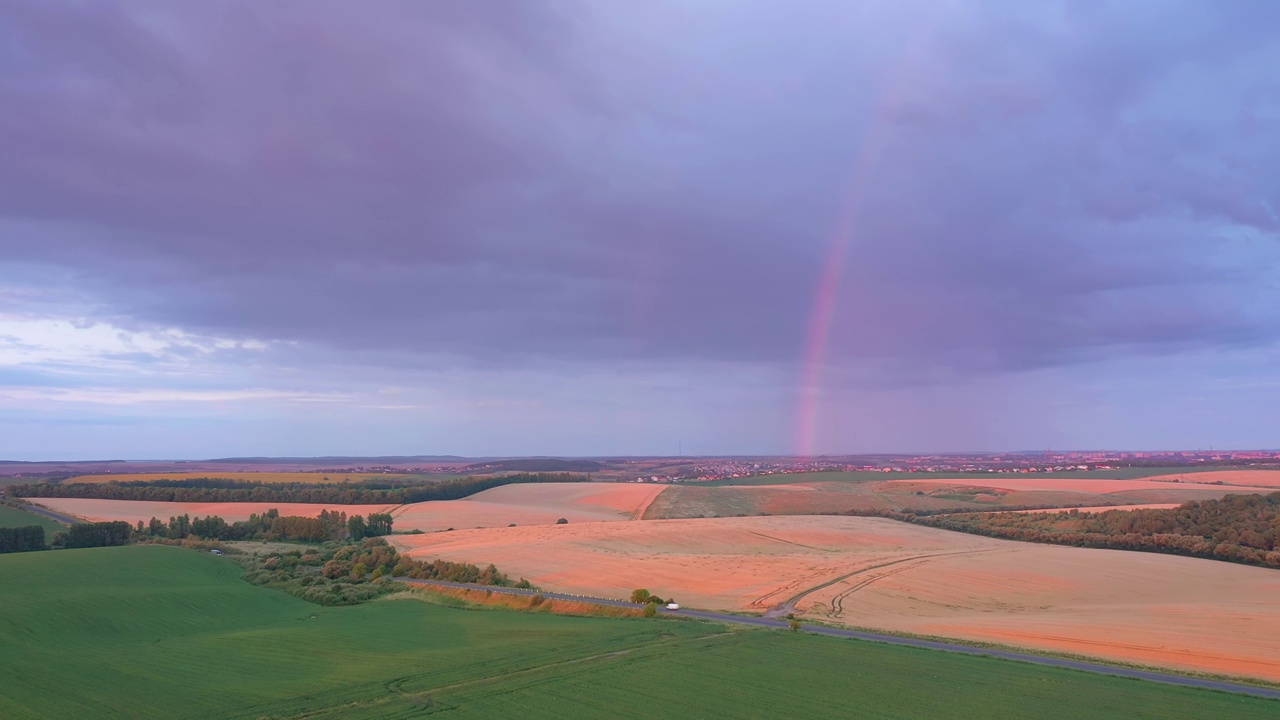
{"type": "Point", "coordinates": [828, 288]}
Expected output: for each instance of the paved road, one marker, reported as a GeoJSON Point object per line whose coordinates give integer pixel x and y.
{"type": "Point", "coordinates": [55, 516]}
{"type": "Point", "coordinates": [895, 640]}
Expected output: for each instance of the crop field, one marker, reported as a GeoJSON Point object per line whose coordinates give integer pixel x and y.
{"type": "Point", "coordinates": [262, 477]}
{"type": "Point", "coordinates": [531, 504]}
{"type": "Point", "coordinates": [213, 646]}
{"type": "Point", "coordinates": [989, 492]}
{"type": "Point", "coordinates": [13, 517]}
{"type": "Point", "coordinates": [1256, 478]}
{"type": "Point", "coordinates": [1194, 614]}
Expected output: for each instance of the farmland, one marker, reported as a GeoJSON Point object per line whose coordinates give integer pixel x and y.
{"type": "Point", "coordinates": [531, 504]}
{"type": "Point", "coordinates": [987, 492]}
{"type": "Point", "coordinates": [13, 517]}
{"type": "Point", "coordinates": [212, 645]}
{"type": "Point", "coordinates": [256, 477]}
{"type": "Point", "coordinates": [1193, 614]}
{"type": "Point", "coordinates": [522, 504]}
{"type": "Point", "coordinates": [132, 511]}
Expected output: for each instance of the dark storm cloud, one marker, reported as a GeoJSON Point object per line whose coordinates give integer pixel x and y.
{"type": "Point", "coordinates": [1025, 184]}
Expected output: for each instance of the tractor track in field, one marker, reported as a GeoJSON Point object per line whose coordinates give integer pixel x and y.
{"type": "Point", "coordinates": [790, 605]}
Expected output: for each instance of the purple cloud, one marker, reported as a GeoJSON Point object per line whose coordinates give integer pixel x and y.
{"type": "Point", "coordinates": [1016, 186]}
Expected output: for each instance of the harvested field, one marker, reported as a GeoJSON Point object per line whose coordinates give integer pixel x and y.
{"type": "Point", "coordinates": [134, 510]}
{"type": "Point", "coordinates": [1186, 613]}
{"type": "Point", "coordinates": [731, 563]}
{"type": "Point", "coordinates": [262, 477]}
{"type": "Point", "coordinates": [1250, 478]}
{"type": "Point", "coordinates": [1193, 614]}
{"type": "Point", "coordinates": [531, 504]}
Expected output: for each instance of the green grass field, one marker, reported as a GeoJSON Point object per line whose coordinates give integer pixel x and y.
{"type": "Point", "coordinates": [871, 475]}
{"type": "Point", "coordinates": [161, 632]}
{"type": "Point", "coordinates": [13, 517]}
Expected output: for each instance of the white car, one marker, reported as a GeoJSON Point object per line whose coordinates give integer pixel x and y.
{"type": "Point", "coordinates": [673, 606]}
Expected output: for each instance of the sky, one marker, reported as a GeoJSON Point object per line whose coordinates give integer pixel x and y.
{"type": "Point", "coordinates": [518, 227]}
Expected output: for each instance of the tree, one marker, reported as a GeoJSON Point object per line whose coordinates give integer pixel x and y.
{"type": "Point", "coordinates": [22, 539]}
{"type": "Point", "coordinates": [379, 524]}
{"type": "Point", "coordinates": [562, 521]}
{"type": "Point", "coordinates": [650, 610]}
{"type": "Point", "coordinates": [356, 527]}
{"type": "Point", "coordinates": [640, 595]}
{"type": "Point", "coordinates": [101, 534]}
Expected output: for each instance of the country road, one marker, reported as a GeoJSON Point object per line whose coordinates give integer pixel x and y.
{"type": "Point", "coordinates": [1099, 668]}
{"type": "Point", "coordinates": [54, 516]}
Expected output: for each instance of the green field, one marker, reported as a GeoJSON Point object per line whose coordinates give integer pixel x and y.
{"type": "Point", "coordinates": [13, 517]}
{"type": "Point", "coordinates": [872, 475]}
{"type": "Point", "coordinates": [162, 632]}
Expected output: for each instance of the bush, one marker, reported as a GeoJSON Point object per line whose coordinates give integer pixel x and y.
{"type": "Point", "coordinates": [650, 610]}
{"type": "Point", "coordinates": [562, 521]}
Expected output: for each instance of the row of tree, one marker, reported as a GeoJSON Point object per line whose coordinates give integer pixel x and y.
{"type": "Point", "coordinates": [22, 539]}
{"type": "Point", "coordinates": [1240, 528]}
{"type": "Point", "coordinates": [270, 525]}
{"type": "Point", "coordinates": [223, 490]}
{"type": "Point", "coordinates": [98, 534]}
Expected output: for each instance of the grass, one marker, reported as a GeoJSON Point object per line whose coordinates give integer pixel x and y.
{"type": "Point", "coordinates": [872, 475]}
{"type": "Point", "coordinates": [13, 517]}
{"type": "Point", "coordinates": [474, 599]}
{"type": "Point", "coordinates": [209, 645]}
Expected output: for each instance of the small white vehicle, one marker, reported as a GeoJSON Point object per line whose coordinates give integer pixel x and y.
{"type": "Point", "coordinates": [673, 606]}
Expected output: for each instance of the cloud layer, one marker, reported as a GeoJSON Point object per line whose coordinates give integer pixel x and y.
{"type": "Point", "coordinates": [828, 198]}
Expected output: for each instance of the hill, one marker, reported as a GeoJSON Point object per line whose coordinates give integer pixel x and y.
{"type": "Point", "coordinates": [213, 646]}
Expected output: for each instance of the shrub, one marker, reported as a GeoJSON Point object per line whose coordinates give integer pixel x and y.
{"type": "Point", "coordinates": [650, 610]}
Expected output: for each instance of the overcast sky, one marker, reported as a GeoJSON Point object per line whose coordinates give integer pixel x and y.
{"type": "Point", "coordinates": [485, 227]}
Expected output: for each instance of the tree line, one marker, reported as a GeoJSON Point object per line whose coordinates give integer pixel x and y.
{"type": "Point", "coordinates": [271, 525]}
{"type": "Point", "coordinates": [1238, 528]}
{"type": "Point", "coordinates": [214, 489]}
{"type": "Point", "coordinates": [22, 539]}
